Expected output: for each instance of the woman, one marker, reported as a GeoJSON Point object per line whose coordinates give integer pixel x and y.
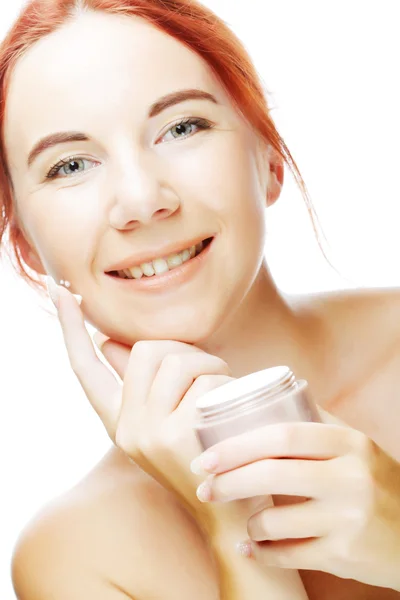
{"type": "Point", "coordinates": [137, 177]}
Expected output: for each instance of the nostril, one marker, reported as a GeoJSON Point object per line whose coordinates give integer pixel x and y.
{"type": "Point", "coordinates": [162, 213]}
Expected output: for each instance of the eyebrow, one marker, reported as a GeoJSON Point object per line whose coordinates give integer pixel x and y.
{"type": "Point", "coordinates": [55, 139]}
{"type": "Point", "coordinates": [177, 97]}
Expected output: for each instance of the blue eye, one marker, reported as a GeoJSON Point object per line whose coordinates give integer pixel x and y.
{"type": "Point", "coordinates": [67, 168]}
{"type": "Point", "coordinates": [187, 127]}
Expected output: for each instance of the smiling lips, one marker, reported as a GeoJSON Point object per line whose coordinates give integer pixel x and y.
{"type": "Point", "coordinates": [158, 266]}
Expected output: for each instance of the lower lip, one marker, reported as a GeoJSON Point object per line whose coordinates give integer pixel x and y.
{"type": "Point", "coordinates": [170, 279]}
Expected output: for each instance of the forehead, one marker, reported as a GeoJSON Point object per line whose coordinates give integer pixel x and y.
{"type": "Point", "coordinates": [96, 67]}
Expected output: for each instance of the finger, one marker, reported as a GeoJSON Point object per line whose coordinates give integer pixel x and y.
{"type": "Point", "coordinates": [311, 518]}
{"type": "Point", "coordinates": [183, 419]}
{"type": "Point", "coordinates": [116, 354]}
{"type": "Point", "coordinates": [314, 441]}
{"type": "Point", "coordinates": [175, 377]}
{"type": "Point", "coordinates": [99, 384]}
{"type": "Point", "coordinates": [202, 385]}
{"type": "Point", "coordinates": [289, 477]}
{"type": "Point", "coordinates": [144, 362]}
{"type": "Point", "coordinates": [291, 554]}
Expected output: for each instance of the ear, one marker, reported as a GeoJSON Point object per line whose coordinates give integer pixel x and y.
{"type": "Point", "coordinates": [276, 176]}
{"type": "Point", "coordinates": [26, 250]}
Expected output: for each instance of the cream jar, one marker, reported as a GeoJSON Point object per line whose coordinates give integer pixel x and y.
{"type": "Point", "coordinates": [269, 396]}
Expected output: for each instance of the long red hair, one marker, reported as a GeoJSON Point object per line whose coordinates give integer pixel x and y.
{"type": "Point", "coordinates": [191, 24]}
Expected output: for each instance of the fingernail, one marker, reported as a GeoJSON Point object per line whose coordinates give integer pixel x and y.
{"type": "Point", "coordinates": [203, 492]}
{"type": "Point", "coordinates": [206, 462]}
{"type": "Point", "coordinates": [78, 298]}
{"type": "Point", "coordinates": [67, 285]}
{"type": "Point", "coordinates": [244, 548]}
{"type": "Point", "coordinates": [53, 290]}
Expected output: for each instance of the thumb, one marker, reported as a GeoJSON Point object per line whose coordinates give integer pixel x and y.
{"type": "Point", "coordinates": [116, 354]}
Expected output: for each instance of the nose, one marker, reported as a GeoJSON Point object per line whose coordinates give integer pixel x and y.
{"type": "Point", "coordinates": [140, 197]}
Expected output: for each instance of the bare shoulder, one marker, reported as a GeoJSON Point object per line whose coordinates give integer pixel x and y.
{"type": "Point", "coordinates": [358, 358]}
{"type": "Point", "coordinates": [351, 323]}
{"type": "Point", "coordinates": [110, 538]}
{"type": "Point", "coordinates": [367, 310]}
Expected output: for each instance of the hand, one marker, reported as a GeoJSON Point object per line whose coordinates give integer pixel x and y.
{"type": "Point", "coordinates": [350, 523]}
{"type": "Point", "coordinates": [150, 416]}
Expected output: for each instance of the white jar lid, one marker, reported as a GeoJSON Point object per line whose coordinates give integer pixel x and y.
{"type": "Point", "coordinates": [253, 383]}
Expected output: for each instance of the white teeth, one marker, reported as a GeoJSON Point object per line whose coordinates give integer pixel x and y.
{"type": "Point", "coordinates": [147, 269]}
{"type": "Point", "coordinates": [160, 266]}
{"type": "Point", "coordinates": [185, 255]}
{"type": "Point", "coordinates": [174, 260]}
{"type": "Point", "coordinates": [136, 272]}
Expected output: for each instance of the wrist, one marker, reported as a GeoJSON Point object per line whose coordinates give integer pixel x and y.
{"type": "Point", "coordinates": [240, 577]}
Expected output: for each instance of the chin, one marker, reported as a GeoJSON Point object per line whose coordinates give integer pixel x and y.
{"type": "Point", "coordinates": [193, 332]}
{"type": "Point", "coordinates": [193, 327]}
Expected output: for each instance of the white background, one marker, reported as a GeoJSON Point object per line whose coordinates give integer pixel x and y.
{"type": "Point", "coordinates": [332, 71]}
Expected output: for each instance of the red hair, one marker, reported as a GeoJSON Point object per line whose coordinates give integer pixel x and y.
{"type": "Point", "coordinates": [186, 20]}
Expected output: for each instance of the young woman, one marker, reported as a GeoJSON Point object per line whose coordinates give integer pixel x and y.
{"type": "Point", "coordinates": [137, 159]}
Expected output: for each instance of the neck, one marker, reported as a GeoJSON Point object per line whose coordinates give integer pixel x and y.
{"type": "Point", "coordinates": [265, 331]}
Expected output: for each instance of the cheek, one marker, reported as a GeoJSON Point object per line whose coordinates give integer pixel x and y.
{"type": "Point", "coordinates": [60, 228]}
{"type": "Point", "coordinates": [222, 175]}
{"type": "Point", "coordinates": [224, 179]}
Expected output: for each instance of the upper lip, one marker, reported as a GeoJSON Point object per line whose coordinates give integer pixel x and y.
{"type": "Point", "coordinates": [149, 255]}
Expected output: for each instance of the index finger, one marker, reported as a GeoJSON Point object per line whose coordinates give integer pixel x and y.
{"type": "Point", "coordinates": [99, 384]}
{"type": "Point", "coordinates": [300, 440]}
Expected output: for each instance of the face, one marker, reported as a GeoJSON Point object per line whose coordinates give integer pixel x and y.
{"type": "Point", "coordinates": [141, 183]}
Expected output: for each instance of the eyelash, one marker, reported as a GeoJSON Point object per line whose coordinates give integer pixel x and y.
{"type": "Point", "coordinates": [202, 124]}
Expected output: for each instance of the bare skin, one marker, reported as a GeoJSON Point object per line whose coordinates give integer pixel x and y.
{"type": "Point", "coordinates": [123, 530]}
{"type": "Point", "coordinates": [119, 533]}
